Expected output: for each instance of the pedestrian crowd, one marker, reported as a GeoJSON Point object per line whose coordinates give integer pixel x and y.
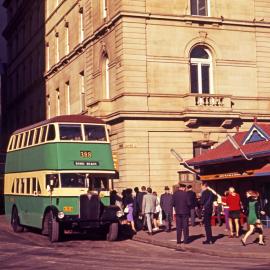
{"type": "Point", "coordinates": [145, 210]}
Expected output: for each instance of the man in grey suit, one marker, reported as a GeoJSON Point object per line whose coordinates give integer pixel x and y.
{"type": "Point", "coordinates": [148, 208]}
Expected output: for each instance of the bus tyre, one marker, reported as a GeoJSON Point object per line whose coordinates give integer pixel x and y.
{"type": "Point", "coordinates": [15, 221]}
{"type": "Point", "coordinates": [112, 234]}
{"type": "Point", "coordinates": [53, 228]}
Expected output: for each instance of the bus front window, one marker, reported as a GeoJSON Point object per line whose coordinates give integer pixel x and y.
{"type": "Point", "coordinates": [70, 132]}
{"type": "Point", "coordinates": [73, 180]}
{"type": "Point", "coordinates": [95, 133]}
{"type": "Point", "coordinates": [52, 180]}
{"type": "Point", "coordinates": [100, 183]}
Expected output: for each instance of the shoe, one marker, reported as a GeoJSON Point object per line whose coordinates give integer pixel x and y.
{"type": "Point", "coordinates": [262, 244]}
{"type": "Point", "coordinates": [167, 231]}
{"type": "Point", "coordinates": [155, 229]}
{"type": "Point", "coordinates": [207, 242]}
{"type": "Point", "coordinates": [231, 236]}
{"type": "Point", "coordinates": [150, 233]}
{"type": "Point", "coordinates": [243, 242]}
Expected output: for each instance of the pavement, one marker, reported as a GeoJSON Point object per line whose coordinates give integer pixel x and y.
{"type": "Point", "coordinates": [223, 245]}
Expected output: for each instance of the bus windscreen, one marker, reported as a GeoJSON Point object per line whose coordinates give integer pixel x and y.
{"type": "Point", "coordinates": [70, 132]}
{"type": "Point", "coordinates": [95, 133]}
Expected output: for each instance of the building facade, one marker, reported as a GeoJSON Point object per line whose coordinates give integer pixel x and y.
{"type": "Point", "coordinates": [180, 74]}
{"type": "Point", "coordinates": [24, 98]}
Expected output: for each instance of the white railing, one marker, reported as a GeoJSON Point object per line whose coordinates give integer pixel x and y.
{"type": "Point", "coordinates": [209, 100]}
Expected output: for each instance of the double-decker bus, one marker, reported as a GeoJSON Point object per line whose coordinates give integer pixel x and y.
{"type": "Point", "coordinates": [58, 175]}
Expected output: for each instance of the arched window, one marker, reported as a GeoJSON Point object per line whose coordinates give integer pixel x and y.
{"type": "Point", "coordinates": [201, 70]}
{"type": "Point", "coordinates": [105, 73]}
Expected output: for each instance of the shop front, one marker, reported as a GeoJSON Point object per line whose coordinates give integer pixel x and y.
{"type": "Point", "coordinates": [242, 161]}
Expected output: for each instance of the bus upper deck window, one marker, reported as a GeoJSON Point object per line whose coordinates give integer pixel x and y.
{"type": "Point", "coordinates": [94, 133]}
{"type": "Point", "coordinates": [51, 133]}
{"type": "Point", "coordinates": [15, 142]}
{"type": "Point", "coordinates": [70, 132]}
{"type": "Point", "coordinates": [37, 135]}
{"type": "Point", "coordinates": [19, 139]}
{"type": "Point", "coordinates": [43, 136]}
{"type": "Point", "coordinates": [26, 139]}
{"type": "Point", "coordinates": [11, 142]}
{"type": "Point", "coordinates": [31, 137]}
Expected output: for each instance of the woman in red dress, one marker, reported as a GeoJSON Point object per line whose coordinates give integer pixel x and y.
{"type": "Point", "coordinates": [234, 203]}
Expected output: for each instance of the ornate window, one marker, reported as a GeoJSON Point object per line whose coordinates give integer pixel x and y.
{"type": "Point", "coordinates": [201, 70]}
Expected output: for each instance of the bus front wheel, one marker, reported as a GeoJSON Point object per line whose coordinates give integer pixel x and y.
{"type": "Point", "coordinates": [15, 221]}
{"type": "Point", "coordinates": [112, 234]}
{"type": "Point", "coordinates": [53, 227]}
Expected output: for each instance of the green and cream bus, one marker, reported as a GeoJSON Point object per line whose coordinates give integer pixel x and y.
{"type": "Point", "coordinates": [58, 174]}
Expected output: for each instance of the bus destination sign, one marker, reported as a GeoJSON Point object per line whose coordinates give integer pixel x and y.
{"type": "Point", "coordinates": [86, 163]}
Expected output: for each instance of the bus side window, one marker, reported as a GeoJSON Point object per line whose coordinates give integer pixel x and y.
{"type": "Point", "coordinates": [17, 185]}
{"type": "Point", "coordinates": [13, 186]}
{"type": "Point", "coordinates": [22, 185]}
{"type": "Point", "coordinates": [26, 139]}
{"type": "Point", "coordinates": [34, 185]}
{"type": "Point", "coordinates": [28, 185]}
{"type": "Point", "coordinates": [31, 137]}
{"type": "Point", "coordinates": [15, 142]}
{"type": "Point", "coordinates": [38, 188]}
{"type": "Point", "coordinates": [21, 140]}
{"type": "Point", "coordinates": [51, 133]}
{"type": "Point", "coordinates": [43, 136]}
{"type": "Point", "coordinates": [10, 145]}
{"type": "Point", "coordinates": [37, 135]}
{"type": "Point", "coordinates": [18, 137]}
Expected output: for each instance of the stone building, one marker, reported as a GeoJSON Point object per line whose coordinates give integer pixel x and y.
{"type": "Point", "coordinates": [163, 74]}
{"type": "Point", "coordinates": [24, 98]}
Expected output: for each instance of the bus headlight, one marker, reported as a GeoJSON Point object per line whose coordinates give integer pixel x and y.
{"type": "Point", "coordinates": [61, 215]}
{"type": "Point", "coordinates": [119, 214]}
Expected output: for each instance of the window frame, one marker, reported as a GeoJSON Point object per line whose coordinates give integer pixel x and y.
{"type": "Point", "coordinates": [207, 8]}
{"type": "Point", "coordinates": [199, 62]}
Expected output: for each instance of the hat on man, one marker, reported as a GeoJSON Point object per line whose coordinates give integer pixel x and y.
{"type": "Point", "coordinates": [182, 185]}
{"type": "Point", "coordinates": [166, 188]}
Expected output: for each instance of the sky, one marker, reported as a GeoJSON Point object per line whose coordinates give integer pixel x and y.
{"type": "Point", "coordinates": [3, 51]}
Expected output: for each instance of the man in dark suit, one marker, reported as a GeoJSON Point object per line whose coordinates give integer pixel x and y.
{"type": "Point", "coordinates": [193, 200]}
{"type": "Point", "coordinates": [181, 204]}
{"type": "Point", "coordinates": [141, 221]}
{"type": "Point", "coordinates": [206, 201]}
{"type": "Point", "coordinates": [167, 208]}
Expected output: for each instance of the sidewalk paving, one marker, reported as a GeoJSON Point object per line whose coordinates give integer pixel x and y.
{"type": "Point", "coordinates": [223, 246]}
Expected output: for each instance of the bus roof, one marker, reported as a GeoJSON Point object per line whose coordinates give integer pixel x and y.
{"type": "Point", "coordinates": [74, 118]}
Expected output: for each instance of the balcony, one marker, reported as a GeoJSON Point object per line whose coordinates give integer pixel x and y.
{"type": "Point", "coordinates": [207, 102]}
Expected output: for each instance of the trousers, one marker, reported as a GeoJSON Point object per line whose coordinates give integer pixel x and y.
{"type": "Point", "coordinates": [182, 227]}
{"type": "Point", "coordinates": [168, 221]}
{"type": "Point", "coordinates": [207, 226]}
{"type": "Point", "coordinates": [149, 221]}
{"type": "Point", "coordinates": [193, 216]}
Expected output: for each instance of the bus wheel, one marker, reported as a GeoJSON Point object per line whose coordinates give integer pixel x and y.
{"type": "Point", "coordinates": [15, 221]}
{"type": "Point", "coordinates": [112, 234]}
{"type": "Point", "coordinates": [53, 227]}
